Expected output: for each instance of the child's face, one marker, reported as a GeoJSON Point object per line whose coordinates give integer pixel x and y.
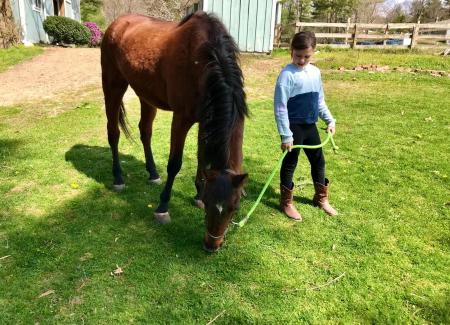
{"type": "Point", "coordinates": [302, 57]}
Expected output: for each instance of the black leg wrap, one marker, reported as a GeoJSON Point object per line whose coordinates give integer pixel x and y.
{"type": "Point", "coordinates": [117, 173]}
{"type": "Point", "coordinates": [162, 207]}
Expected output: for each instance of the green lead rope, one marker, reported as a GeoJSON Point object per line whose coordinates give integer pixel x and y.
{"type": "Point", "coordinates": [277, 168]}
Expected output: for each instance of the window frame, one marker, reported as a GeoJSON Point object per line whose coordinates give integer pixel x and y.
{"type": "Point", "coordinates": [38, 5]}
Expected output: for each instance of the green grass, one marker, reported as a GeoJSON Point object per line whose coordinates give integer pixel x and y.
{"type": "Point", "coordinates": [65, 230]}
{"type": "Point", "coordinates": [17, 54]}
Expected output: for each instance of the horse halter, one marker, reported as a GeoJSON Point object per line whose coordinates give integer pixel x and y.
{"type": "Point", "coordinates": [216, 237]}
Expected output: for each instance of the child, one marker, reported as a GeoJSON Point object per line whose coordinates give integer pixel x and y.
{"type": "Point", "coordinates": [298, 102]}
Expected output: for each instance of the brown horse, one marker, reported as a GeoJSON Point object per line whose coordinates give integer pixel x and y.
{"type": "Point", "coordinates": [190, 68]}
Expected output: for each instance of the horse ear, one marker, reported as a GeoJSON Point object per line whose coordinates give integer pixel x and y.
{"type": "Point", "coordinates": [238, 180]}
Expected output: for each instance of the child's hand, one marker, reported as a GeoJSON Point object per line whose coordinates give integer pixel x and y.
{"type": "Point", "coordinates": [331, 129]}
{"type": "Point", "coordinates": [286, 146]}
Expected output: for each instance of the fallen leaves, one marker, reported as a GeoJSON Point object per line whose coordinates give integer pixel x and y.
{"type": "Point", "coordinates": [371, 68]}
{"type": "Point", "coordinates": [46, 293]}
{"type": "Point", "coordinates": [117, 272]}
{"type": "Point", "coordinates": [75, 301]}
{"type": "Point", "coordinates": [83, 284]}
{"type": "Point", "coordinates": [86, 256]}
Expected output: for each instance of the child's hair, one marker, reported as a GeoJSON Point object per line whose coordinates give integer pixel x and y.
{"type": "Point", "coordinates": [303, 40]}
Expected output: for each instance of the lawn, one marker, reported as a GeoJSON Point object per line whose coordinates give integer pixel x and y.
{"type": "Point", "coordinates": [17, 54]}
{"type": "Point", "coordinates": [385, 259]}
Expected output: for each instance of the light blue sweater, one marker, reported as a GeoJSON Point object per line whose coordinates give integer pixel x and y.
{"type": "Point", "coordinates": [299, 99]}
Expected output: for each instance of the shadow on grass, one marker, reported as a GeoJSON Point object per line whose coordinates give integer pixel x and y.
{"type": "Point", "coordinates": [83, 241]}
{"type": "Point", "coordinates": [95, 162]}
{"type": "Point", "coordinates": [87, 237]}
{"type": "Point", "coordinates": [186, 230]}
{"type": "Point", "coordinates": [8, 149]}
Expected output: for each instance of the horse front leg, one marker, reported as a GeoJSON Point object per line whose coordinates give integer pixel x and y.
{"type": "Point", "coordinates": [236, 156]}
{"type": "Point", "coordinates": [178, 135]}
{"type": "Point", "coordinates": [200, 177]}
{"type": "Point", "coordinates": [148, 114]}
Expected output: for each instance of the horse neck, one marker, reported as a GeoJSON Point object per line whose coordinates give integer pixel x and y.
{"type": "Point", "coordinates": [226, 157]}
{"type": "Point", "coordinates": [236, 140]}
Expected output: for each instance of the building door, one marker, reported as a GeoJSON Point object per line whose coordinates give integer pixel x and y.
{"type": "Point", "coordinates": [58, 7]}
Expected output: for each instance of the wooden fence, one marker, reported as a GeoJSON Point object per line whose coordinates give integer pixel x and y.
{"type": "Point", "coordinates": [352, 35]}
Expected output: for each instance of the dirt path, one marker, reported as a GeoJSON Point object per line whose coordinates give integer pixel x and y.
{"type": "Point", "coordinates": [62, 70]}
{"type": "Point", "coordinates": [56, 71]}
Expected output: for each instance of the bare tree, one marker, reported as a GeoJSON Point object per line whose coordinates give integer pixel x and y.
{"type": "Point", "coordinates": [397, 13]}
{"type": "Point", "coordinates": [163, 9]}
{"type": "Point", "coordinates": [434, 11]}
{"type": "Point", "coordinates": [9, 33]}
{"type": "Point", "coordinates": [368, 11]}
{"type": "Point", "coordinates": [428, 10]}
{"type": "Point", "coordinates": [417, 9]}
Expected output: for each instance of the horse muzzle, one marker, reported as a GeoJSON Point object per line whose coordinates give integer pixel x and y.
{"type": "Point", "coordinates": [211, 243]}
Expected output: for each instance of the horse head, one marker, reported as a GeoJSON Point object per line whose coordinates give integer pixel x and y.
{"type": "Point", "coordinates": [221, 196]}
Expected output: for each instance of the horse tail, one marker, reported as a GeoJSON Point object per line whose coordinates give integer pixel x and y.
{"type": "Point", "coordinates": [123, 121]}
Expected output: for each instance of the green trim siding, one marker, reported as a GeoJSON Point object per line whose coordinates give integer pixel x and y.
{"type": "Point", "coordinates": [241, 38]}
{"type": "Point", "coordinates": [30, 20]}
{"type": "Point", "coordinates": [250, 22]}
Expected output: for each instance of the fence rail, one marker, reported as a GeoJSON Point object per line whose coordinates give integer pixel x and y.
{"type": "Point", "coordinates": [355, 34]}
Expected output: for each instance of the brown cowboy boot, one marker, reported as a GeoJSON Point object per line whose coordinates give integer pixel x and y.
{"type": "Point", "coordinates": [321, 198]}
{"type": "Point", "coordinates": [287, 205]}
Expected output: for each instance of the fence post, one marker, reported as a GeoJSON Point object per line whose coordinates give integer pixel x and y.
{"type": "Point", "coordinates": [355, 29]}
{"type": "Point", "coordinates": [415, 35]}
{"type": "Point", "coordinates": [347, 30]}
{"type": "Point", "coordinates": [386, 32]}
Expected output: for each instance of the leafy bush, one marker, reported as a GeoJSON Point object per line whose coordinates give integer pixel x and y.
{"type": "Point", "coordinates": [91, 10]}
{"type": "Point", "coordinates": [96, 33]}
{"type": "Point", "coordinates": [66, 30]}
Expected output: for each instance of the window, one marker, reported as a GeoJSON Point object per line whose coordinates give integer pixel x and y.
{"type": "Point", "coordinates": [37, 5]}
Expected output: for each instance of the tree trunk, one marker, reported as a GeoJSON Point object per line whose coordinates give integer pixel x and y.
{"type": "Point", "coordinates": [9, 33]}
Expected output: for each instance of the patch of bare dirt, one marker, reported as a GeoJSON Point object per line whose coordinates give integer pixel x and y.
{"type": "Point", "coordinates": [56, 71]}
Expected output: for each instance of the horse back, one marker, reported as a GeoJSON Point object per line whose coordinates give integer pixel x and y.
{"type": "Point", "coordinates": [158, 59]}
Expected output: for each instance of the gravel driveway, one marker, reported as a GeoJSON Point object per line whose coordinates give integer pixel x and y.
{"type": "Point", "coordinates": [56, 71]}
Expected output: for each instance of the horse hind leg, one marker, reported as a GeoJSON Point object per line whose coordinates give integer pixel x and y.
{"type": "Point", "coordinates": [113, 92]}
{"type": "Point", "coordinates": [148, 114]}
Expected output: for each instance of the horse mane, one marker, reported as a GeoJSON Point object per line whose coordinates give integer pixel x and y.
{"type": "Point", "coordinates": [223, 103]}
{"type": "Point", "coordinates": [185, 19]}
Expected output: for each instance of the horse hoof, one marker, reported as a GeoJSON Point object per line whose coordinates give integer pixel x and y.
{"type": "Point", "coordinates": [156, 181]}
{"type": "Point", "coordinates": [199, 204]}
{"type": "Point", "coordinates": [162, 218]}
{"type": "Point", "coordinates": [118, 187]}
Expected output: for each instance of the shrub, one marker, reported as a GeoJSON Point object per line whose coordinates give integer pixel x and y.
{"type": "Point", "coordinates": [66, 30]}
{"type": "Point", "coordinates": [96, 33]}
